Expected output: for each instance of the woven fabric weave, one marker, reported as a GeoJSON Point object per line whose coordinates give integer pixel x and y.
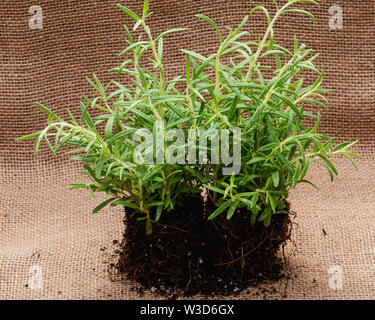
{"type": "Point", "coordinates": [45, 225]}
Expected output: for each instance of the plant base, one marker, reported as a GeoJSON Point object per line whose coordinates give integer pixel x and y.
{"type": "Point", "coordinates": [190, 255]}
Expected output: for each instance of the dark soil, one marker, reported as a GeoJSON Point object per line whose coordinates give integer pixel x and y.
{"type": "Point", "coordinates": [188, 255]}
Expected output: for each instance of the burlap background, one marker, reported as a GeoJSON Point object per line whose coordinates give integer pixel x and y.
{"type": "Point", "coordinates": [44, 224]}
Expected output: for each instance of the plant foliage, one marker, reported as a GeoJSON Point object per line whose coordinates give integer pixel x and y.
{"type": "Point", "coordinates": [256, 86]}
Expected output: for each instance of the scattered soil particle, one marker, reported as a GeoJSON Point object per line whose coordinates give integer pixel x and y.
{"type": "Point", "coordinates": [187, 255]}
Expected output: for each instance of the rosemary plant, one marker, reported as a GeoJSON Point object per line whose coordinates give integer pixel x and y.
{"type": "Point", "coordinates": [276, 147]}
